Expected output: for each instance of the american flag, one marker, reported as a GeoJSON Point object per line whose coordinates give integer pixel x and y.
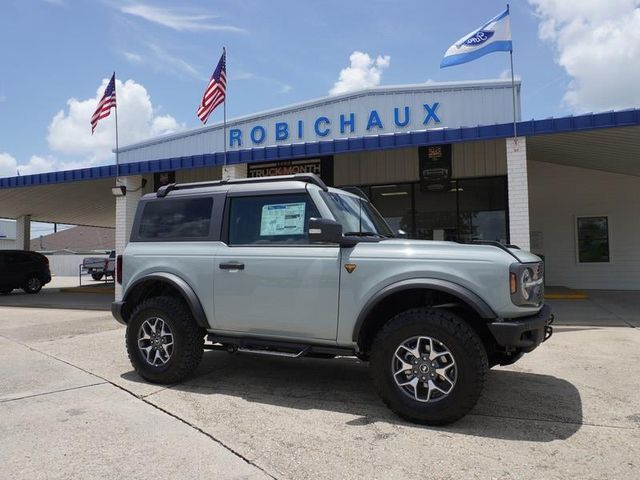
{"type": "Point", "coordinates": [104, 107]}
{"type": "Point", "coordinates": [216, 91]}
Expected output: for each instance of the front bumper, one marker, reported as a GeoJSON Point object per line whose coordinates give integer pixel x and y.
{"type": "Point", "coordinates": [116, 311]}
{"type": "Point", "coordinates": [524, 333]}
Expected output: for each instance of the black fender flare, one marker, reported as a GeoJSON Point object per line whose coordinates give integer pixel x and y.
{"type": "Point", "coordinates": [464, 294]}
{"type": "Point", "coordinates": [179, 284]}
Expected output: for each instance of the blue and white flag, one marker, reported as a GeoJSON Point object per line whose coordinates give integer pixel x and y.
{"type": "Point", "coordinates": [493, 36]}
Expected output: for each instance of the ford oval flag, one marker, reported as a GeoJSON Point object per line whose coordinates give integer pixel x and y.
{"type": "Point", "coordinates": [493, 36]}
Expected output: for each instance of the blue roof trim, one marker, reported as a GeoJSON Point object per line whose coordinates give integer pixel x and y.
{"type": "Point", "coordinates": [591, 121]}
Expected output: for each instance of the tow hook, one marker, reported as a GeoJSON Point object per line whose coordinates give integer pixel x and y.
{"type": "Point", "coordinates": [548, 329]}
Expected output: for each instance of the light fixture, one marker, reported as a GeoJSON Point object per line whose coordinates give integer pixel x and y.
{"type": "Point", "coordinates": [393, 194]}
{"type": "Point", "coordinates": [119, 191]}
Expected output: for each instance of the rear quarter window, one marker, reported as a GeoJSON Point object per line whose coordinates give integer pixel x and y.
{"type": "Point", "coordinates": [175, 219]}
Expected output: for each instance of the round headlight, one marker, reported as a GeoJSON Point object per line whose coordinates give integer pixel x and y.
{"type": "Point", "coordinates": [525, 280]}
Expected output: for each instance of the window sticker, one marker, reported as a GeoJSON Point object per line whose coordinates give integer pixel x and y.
{"type": "Point", "coordinates": [282, 219]}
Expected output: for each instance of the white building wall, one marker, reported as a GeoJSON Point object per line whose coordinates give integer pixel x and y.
{"type": "Point", "coordinates": [518, 192]}
{"type": "Point", "coordinates": [6, 244]}
{"type": "Point", "coordinates": [558, 194]}
{"type": "Point", "coordinates": [125, 212]}
{"type": "Point", "coordinates": [67, 265]}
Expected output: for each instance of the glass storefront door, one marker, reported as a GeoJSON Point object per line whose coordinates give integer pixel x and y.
{"type": "Point", "coordinates": [471, 209]}
{"type": "Point", "coordinates": [394, 203]}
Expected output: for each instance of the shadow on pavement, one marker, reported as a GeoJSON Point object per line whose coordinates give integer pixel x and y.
{"type": "Point", "coordinates": [514, 405]}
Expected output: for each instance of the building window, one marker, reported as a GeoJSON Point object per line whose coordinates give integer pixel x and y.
{"type": "Point", "coordinates": [394, 204]}
{"type": "Point", "coordinates": [466, 209]}
{"type": "Point", "coordinates": [593, 239]}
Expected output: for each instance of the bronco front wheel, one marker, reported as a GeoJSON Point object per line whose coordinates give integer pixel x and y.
{"type": "Point", "coordinates": [428, 366]}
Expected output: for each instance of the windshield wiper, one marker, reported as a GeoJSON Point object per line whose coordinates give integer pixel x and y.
{"type": "Point", "coordinates": [365, 234]}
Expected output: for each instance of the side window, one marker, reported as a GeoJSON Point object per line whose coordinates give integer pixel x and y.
{"type": "Point", "coordinates": [176, 219]}
{"type": "Point", "coordinates": [269, 220]}
{"type": "Point", "coordinates": [16, 258]}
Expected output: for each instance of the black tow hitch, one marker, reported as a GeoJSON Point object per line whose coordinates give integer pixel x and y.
{"type": "Point", "coordinates": [548, 329]}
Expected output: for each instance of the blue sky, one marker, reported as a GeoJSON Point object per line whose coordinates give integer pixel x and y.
{"type": "Point", "coordinates": [279, 52]}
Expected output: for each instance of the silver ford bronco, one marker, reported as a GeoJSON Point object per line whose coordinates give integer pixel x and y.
{"type": "Point", "coordinates": [287, 266]}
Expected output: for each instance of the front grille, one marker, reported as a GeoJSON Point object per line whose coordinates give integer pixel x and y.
{"type": "Point", "coordinates": [538, 273]}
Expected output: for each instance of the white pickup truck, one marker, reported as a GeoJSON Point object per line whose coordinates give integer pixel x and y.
{"type": "Point", "coordinates": [99, 267]}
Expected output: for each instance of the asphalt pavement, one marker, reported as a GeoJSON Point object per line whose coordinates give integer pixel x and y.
{"type": "Point", "coordinates": [71, 407]}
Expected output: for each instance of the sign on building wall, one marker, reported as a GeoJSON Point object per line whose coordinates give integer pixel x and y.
{"type": "Point", "coordinates": [435, 167]}
{"type": "Point", "coordinates": [323, 167]}
{"type": "Point", "coordinates": [380, 111]}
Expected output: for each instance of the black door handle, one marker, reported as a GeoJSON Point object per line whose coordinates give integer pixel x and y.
{"type": "Point", "coordinates": [231, 266]}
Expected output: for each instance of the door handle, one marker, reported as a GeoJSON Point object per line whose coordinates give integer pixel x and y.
{"type": "Point", "coordinates": [231, 266]}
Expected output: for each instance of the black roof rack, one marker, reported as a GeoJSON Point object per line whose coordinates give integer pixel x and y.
{"type": "Point", "coordinates": [300, 177]}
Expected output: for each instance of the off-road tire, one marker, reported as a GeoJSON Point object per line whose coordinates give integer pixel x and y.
{"type": "Point", "coordinates": [32, 285]}
{"type": "Point", "coordinates": [97, 276]}
{"type": "Point", "coordinates": [188, 338]}
{"type": "Point", "coordinates": [465, 346]}
{"type": "Point", "coordinates": [5, 291]}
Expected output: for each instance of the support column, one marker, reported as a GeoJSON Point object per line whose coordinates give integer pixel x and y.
{"type": "Point", "coordinates": [125, 212]}
{"type": "Point", "coordinates": [23, 232]}
{"type": "Point", "coordinates": [237, 170]}
{"type": "Point", "coordinates": [518, 188]}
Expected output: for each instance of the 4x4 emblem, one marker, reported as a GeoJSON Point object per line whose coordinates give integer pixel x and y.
{"type": "Point", "coordinates": [349, 267]}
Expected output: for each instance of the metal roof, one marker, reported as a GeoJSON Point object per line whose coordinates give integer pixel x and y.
{"type": "Point", "coordinates": [591, 121]}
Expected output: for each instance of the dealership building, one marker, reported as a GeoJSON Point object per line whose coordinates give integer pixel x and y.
{"type": "Point", "coordinates": [439, 161]}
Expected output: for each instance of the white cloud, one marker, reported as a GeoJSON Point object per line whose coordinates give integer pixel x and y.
{"type": "Point", "coordinates": [177, 21]}
{"type": "Point", "coordinates": [161, 60]}
{"type": "Point", "coordinates": [363, 72]}
{"type": "Point", "coordinates": [506, 75]}
{"type": "Point", "coordinates": [133, 57]}
{"type": "Point", "coordinates": [597, 42]}
{"type": "Point", "coordinates": [9, 166]}
{"type": "Point", "coordinates": [70, 130]}
{"type": "Point", "coordinates": [165, 60]}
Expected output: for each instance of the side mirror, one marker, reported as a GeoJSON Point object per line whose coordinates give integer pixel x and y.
{"type": "Point", "coordinates": [402, 234]}
{"type": "Point", "coordinates": [323, 230]}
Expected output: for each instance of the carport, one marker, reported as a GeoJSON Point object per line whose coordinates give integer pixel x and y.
{"type": "Point", "coordinates": [557, 170]}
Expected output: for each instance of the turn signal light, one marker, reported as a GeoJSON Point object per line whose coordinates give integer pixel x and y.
{"type": "Point", "coordinates": [513, 283]}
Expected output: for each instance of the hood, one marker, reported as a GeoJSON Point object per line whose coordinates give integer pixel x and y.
{"type": "Point", "coordinates": [521, 255]}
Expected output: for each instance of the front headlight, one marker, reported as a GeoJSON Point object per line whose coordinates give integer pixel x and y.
{"type": "Point", "coordinates": [526, 283]}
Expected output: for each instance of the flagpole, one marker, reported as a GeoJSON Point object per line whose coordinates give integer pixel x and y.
{"type": "Point", "coordinates": [513, 86]}
{"type": "Point", "coordinates": [117, 148]}
{"type": "Point", "coordinates": [224, 108]}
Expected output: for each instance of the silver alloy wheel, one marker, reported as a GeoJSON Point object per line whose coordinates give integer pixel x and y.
{"type": "Point", "coordinates": [33, 283]}
{"type": "Point", "coordinates": [424, 369]}
{"type": "Point", "coordinates": [155, 341]}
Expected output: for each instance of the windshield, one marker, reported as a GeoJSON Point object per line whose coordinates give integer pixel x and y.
{"type": "Point", "coordinates": [356, 215]}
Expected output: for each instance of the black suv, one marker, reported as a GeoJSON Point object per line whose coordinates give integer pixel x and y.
{"type": "Point", "coordinates": [26, 270]}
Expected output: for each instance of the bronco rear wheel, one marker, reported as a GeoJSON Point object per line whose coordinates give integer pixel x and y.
{"type": "Point", "coordinates": [428, 366]}
{"type": "Point", "coordinates": [164, 342]}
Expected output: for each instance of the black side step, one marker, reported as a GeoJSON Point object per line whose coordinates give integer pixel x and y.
{"type": "Point", "coordinates": [277, 348]}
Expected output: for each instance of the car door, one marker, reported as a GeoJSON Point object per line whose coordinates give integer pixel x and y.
{"type": "Point", "coordinates": [269, 279]}
{"type": "Point", "coordinates": [15, 264]}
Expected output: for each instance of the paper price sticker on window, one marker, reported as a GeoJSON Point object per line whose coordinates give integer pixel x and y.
{"type": "Point", "coordinates": [282, 219]}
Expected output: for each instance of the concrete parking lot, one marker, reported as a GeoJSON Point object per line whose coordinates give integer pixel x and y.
{"type": "Point", "coordinates": [71, 407]}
